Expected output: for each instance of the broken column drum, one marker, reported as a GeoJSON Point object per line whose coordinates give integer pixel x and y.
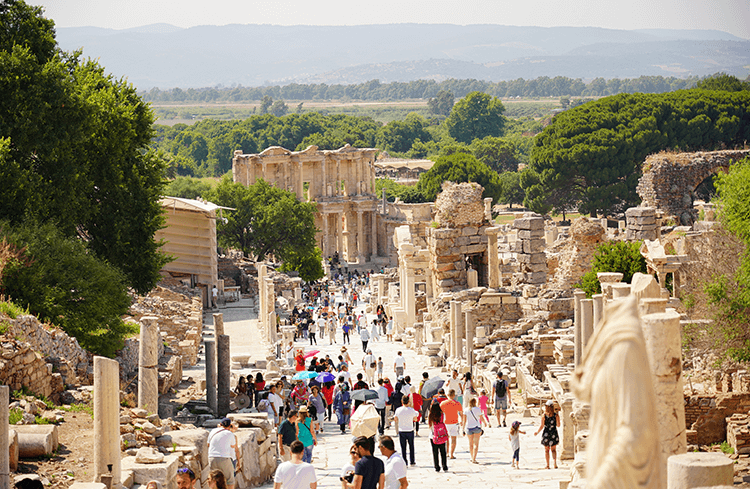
{"type": "Point", "coordinates": [148, 365]}
{"type": "Point", "coordinates": [530, 250]}
{"type": "Point", "coordinates": [211, 391]}
{"type": "Point", "coordinates": [223, 374]}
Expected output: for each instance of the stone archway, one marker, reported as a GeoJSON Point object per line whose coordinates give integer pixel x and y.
{"type": "Point", "coordinates": [669, 179]}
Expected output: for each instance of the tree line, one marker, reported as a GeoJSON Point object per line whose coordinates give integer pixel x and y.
{"type": "Point", "coordinates": [544, 86]}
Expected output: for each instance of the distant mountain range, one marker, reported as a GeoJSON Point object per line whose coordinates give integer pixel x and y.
{"type": "Point", "coordinates": [165, 56]}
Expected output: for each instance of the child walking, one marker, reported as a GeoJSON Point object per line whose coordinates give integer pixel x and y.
{"type": "Point", "coordinates": [380, 368]}
{"type": "Point", "coordinates": [483, 406]}
{"type": "Point", "coordinates": [515, 443]}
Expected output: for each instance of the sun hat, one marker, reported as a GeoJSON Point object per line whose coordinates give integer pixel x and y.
{"type": "Point", "coordinates": [226, 422]}
{"type": "Point", "coordinates": [516, 425]}
{"type": "Point", "coordinates": [550, 403]}
{"type": "Point", "coordinates": [302, 409]}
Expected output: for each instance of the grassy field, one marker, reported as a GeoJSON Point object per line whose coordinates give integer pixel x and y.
{"type": "Point", "coordinates": [175, 113]}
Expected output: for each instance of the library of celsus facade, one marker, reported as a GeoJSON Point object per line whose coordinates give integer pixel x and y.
{"type": "Point", "coordinates": [342, 185]}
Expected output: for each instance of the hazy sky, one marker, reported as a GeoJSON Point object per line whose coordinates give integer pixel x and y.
{"type": "Point", "coordinates": [732, 16]}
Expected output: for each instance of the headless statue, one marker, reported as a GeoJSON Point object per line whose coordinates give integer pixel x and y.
{"type": "Point", "coordinates": [623, 448]}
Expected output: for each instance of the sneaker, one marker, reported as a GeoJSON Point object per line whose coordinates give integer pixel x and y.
{"type": "Point", "coordinates": [504, 425]}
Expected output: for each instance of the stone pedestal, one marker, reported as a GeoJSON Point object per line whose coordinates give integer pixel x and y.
{"type": "Point", "coordinates": [148, 365]}
{"type": "Point", "coordinates": [4, 438]}
{"type": "Point", "coordinates": [699, 469]}
{"type": "Point", "coordinates": [493, 257]}
{"type": "Point", "coordinates": [620, 291]}
{"type": "Point", "coordinates": [651, 306]}
{"type": "Point", "coordinates": [663, 335]}
{"type": "Point", "coordinates": [211, 399]}
{"type": "Point", "coordinates": [606, 279]}
{"type": "Point", "coordinates": [223, 374]}
{"type": "Point", "coordinates": [578, 296]}
{"type": "Point", "coordinates": [272, 334]}
{"type": "Point", "coordinates": [472, 279]}
{"type": "Point", "coordinates": [455, 318]}
{"type": "Point", "coordinates": [218, 324]}
{"type": "Point", "coordinates": [107, 419]}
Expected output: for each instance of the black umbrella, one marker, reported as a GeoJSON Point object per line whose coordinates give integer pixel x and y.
{"type": "Point", "coordinates": [431, 387]}
{"type": "Point", "coordinates": [364, 395]}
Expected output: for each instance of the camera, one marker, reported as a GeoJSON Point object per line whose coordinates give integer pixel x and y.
{"type": "Point", "coordinates": [348, 477]}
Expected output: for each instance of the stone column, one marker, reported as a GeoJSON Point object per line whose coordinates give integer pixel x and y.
{"type": "Point", "coordinates": [663, 336]}
{"type": "Point", "coordinates": [338, 178]}
{"type": "Point", "coordinates": [409, 299]}
{"type": "Point", "coordinates": [301, 184]}
{"type": "Point", "coordinates": [218, 324]}
{"type": "Point", "coordinates": [470, 330]}
{"type": "Point", "coordinates": [210, 346]}
{"type": "Point", "coordinates": [106, 419]}
{"type": "Point", "coordinates": [324, 241]}
{"type": "Point", "coordinates": [455, 311]}
{"type": "Point", "coordinates": [223, 374]}
{"type": "Point", "coordinates": [374, 236]}
{"type": "Point", "coordinates": [620, 290]}
{"type": "Point", "coordinates": [598, 309]}
{"type": "Point", "coordinates": [488, 209]}
{"type": "Point", "coordinates": [148, 365]}
{"type": "Point", "coordinates": [4, 438]}
{"type": "Point", "coordinates": [272, 335]}
{"type": "Point", "coordinates": [339, 234]}
{"type": "Point", "coordinates": [360, 238]}
{"type": "Point", "coordinates": [587, 322]}
{"type": "Point", "coordinates": [493, 257]}
{"type": "Point", "coordinates": [261, 295]}
{"type": "Point", "coordinates": [325, 177]}
{"type": "Point", "coordinates": [578, 295]}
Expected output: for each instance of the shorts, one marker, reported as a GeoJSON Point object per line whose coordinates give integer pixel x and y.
{"type": "Point", "coordinates": [501, 403]}
{"type": "Point", "coordinates": [452, 429]}
{"type": "Point", "coordinates": [517, 454]}
{"type": "Point", "coordinates": [224, 464]}
{"type": "Point", "coordinates": [474, 431]}
{"type": "Point", "coordinates": [399, 371]}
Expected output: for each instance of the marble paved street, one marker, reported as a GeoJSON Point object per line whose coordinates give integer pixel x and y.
{"type": "Point", "coordinates": [332, 452]}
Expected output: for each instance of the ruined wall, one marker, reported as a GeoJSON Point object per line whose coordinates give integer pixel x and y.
{"type": "Point", "coordinates": [570, 258]}
{"type": "Point", "coordinates": [711, 426]}
{"type": "Point", "coordinates": [669, 179]}
{"type": "Point", "coordinates": [21, 366]}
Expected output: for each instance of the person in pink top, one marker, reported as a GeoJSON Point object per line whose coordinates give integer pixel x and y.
{"type": "Point", "coordinates": [483, 406]}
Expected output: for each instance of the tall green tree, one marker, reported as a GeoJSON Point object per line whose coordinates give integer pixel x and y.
{"type": "Point", "coordinates": [267, 221]}
{"type": "Point", "coordinates": [499, 154]}
{"type": "Point", "coordinates": [476, 116]}
{"type": "Point", "coordinates": [458, 168]}
{"type": "Point", "coordinates": [442, 103]}
{"type": "Point", "coordinates": [78, 148]}
{"type": "Point", "coordinates": [399, 136]}
{"type": "Point", "coordinates": [722, 81]}
{"type": "Point", "coordinates": [590, 156]}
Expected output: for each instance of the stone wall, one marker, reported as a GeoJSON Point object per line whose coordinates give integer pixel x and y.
{"type": "Point", "coordinates": [570, 258]}
{"type": "Point", "coordinates": [21, 366]}
{"type": "Point", "coordinates": [180, 313]}
{"type": "Point", "coordinates": [669, 179]}
{"type": "Point", "coordinates": [711, 427]}
{"type": "Point", "coordinates": [59, 349]}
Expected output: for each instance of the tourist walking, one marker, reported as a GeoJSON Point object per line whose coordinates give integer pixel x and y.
{"type": "Point", "coordinates": [295, 473]}
{"type": "Point", "coordinates": [501, 394]}
{"type": "Point", "coordinates": [331, 331]}
{"type": "Point", "coordinates": [364, 336]}
{"type": "Point", "coordinates": [347, 471]}
{"type": "Point", "coordinates": [395, 466]}
{"type": "Point", "coordinates": [515, 443]}
{"type": "Point", "coordinates": [287, 433]}
{"type": "Point", "coordinates": [482, 402]}
{"type": "Point", "coordinates": [469, 391]}
{"type": "Point", "coordinates": [346, 328]}
{"type": "Point", "coordinates": [369, 363]}
{"type": "Point", "coordinates": [185, 478]}
{"type": "Point", "coordinates": [380, 404]}
{"type": "Point", "coordinates": [454, 384]}
{"type": "Point", "coordinates": [342, 404]}
{"type": "Point", "coordinates": [399, 365]}
{"type": "Point", "coordinates": [374, 331]}
{"type": "Point", "coordinates": [438, 437]}
{"type": "Point", "coordinates": [380, 367]}
{"type": "Point", "coordinates": [221, 443]}
{"type": "Point", "coordinates": [550, 438]}
{"type": "Point", "coordinates": [389, 329]}
{"type": "Point", "coordinates": [473, 428]}
{"type": "Point", "coordinates": [319, 403]}
{"type": "Point", "coordinates": [452, 414]}
{"type": "Point", "coordinates": [369, 471]}
{"type": "Point", "coordinates": [306, 433]}
{"type": "Point", "coordinates": [405, 417]}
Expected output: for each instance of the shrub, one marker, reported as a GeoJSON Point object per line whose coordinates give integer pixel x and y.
{"type": "Point", "coordinates": [62, 282]}
{"type": "Point", "coordinates": [619, 256]}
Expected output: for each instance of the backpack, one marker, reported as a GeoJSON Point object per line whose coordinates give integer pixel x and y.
{"type": "Point", "coordinates": [346, 402]}
{"type": "Point", "coordinates": [396, 396]}
{"type": "Point", "coordinates": [500, 388]}
{"type": "Point", "coordinates": [439, 433]}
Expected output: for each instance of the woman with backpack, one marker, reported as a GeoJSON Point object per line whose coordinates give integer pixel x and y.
{"type": "Point", "coordinates": [438, 437]}
{"type": "Point", "coordinates": [342, 403]}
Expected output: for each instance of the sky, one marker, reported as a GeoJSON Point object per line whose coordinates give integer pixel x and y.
{"type": "Point", "coordinates": [731, 16]}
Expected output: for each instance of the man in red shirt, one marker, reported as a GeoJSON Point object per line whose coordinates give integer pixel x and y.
{"type": "Point", "coordinates": [452, 416]}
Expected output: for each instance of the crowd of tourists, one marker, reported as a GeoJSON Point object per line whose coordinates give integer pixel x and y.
{"type": "Point", "coordinates": [325, 389]}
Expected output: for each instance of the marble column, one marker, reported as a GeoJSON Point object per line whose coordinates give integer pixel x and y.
{"type": "Point", "coordinates": [663, 335]}
{"type": "Point", "coordinates": [455, 310]}
{"type": "Point", "coordinates": [272, 334]}
{"type": "Point", "coordinates": [470, 330]}
{"type": "Point", "coordinates": [324, 241]}
{"type": "Point", "coordinates": [598, 309]}
{"type": "Point", "coordinates": [261, 296]}
{"type": "Point", "coordinates": [409, 298]}
{"type": "Point", "coordinates": [338, 191]}
{"type": "Point", "coordinates": [587, 322]}
{"type": "Point", "coordinates": [340, 234]}
{"type": "Point", "coordinates": [301, 184]}
{"type": "Point", "coordinates": [578, 295]}
{"type": "Point", "coordinates": [325, 177]}
{"type": "Point", "coordinates": [210, 346]}
{"type": "Point", "coordinates": [148, 365]}
{"type": "Point", "coordinates": [374, 236]}
{"type": "Point", "coordinates": [4, 437]}
{"type": "Point", "coordinates": [493, 258]}
{"type": "Point", "coordinates": [360, 238]}
{"type": "Point", "coordinates": [488, 209]}
{"type": "Point", "coordinates": [106, 419]}
{"type": "Point", "coordinates": [223, 374]}
{"type": "Point", "coordinates": [218, 324]}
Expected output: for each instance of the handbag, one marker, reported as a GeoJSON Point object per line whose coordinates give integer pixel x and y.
{"type": "Point", "coordinates": [481, 430]}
